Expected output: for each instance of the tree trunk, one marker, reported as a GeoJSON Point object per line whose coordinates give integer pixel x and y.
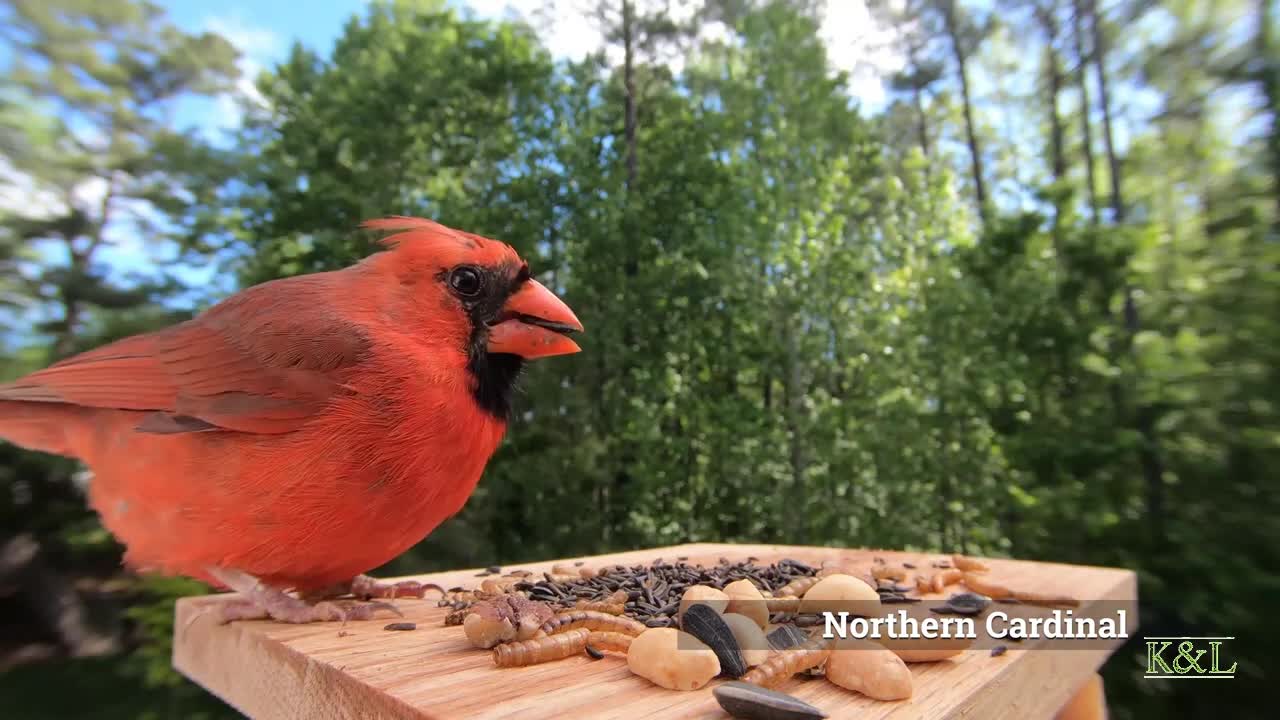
{"type": "Point", "coordinates": [962, 69]}
{"type": "Point", "coordinates": [629, 80]}
{"type": "Point", "coordinates": [794, 387]}
{"type": "Point", "coordinates": [1057, 158]}
{"type": "Point", "coordinates": [1086, 126]}
{"type": "Point", "coordinates": [1270, 82]}
{"type": "Point", "coordinates": [630, 264]}
{"type": "Point", "coordinates": [1104, 99]}
{"type": "Point", "coordinates": [1144, 420]}
{"type": "Point", "coordinates": [1053, 71]}
{"type": "Point", "coordinates": [64, 343]}
{"type": "Point", "coordinates": [922, 125]}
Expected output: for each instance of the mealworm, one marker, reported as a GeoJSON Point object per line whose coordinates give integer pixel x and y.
{"type": "Point", "coordinates": [615, 604]}
{"type": "Point", "coordinates": [968, 564]}
{"type": "Point", "coordinates": [781, 666]}
{"type": "Point", "coordinates": [887, 572]}
{"type": "Point", "coordinates": [591, 620]}
{"type": "Point", "coordinates": [540, 650]}
{"type": "Point", "coordinates": [612, 641]}
{"type": "Point", "coordinates": [455, 596]}
{"type": "Point", "coordinates": [999, 592]}
{"type": "Point", "coordinates": [787, 604]}
{"type": "Point", "coordinates": [498, 587]}
{"type": "Point", "coordinates": [946, 577]}
{"type": "Point", "coordinates": [797, 587]}
{"type": "Point", "coordinates": [603, 606]}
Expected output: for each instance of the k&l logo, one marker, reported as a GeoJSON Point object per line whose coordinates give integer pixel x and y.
{"type": "Point", "coordinates": [1188, 657]}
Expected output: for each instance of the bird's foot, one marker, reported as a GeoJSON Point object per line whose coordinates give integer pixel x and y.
{"type": "Point", "coordinates": [363, 586]}
{"type": "Point", "coordinates": [258, 602]}
{"type": "Point", "coordinates": [367, 588]}
{"type": "Point", "coordinates": [297, 612]}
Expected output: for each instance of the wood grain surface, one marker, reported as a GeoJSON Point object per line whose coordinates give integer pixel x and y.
{"type": "Point", "coordinates": [325, 671]}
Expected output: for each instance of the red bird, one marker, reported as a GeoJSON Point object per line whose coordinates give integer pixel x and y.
{"type": "Point", "coordinates": [306, 430]}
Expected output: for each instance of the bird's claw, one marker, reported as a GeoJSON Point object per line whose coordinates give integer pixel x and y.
{"type": "Point", "coordinates": [363, 586]}
{"type": "Point", "coordinates": [260, 602]}
{"type": "Point", "coordinates": [301, 613]}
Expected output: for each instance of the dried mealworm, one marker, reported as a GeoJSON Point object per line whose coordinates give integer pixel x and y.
{"type": "Point", "coordinates": [497, 587]}
{"type": "Point", "coordinates": [1000, 592]}
{"type": "Point", "coordinates": [540, 650]}
{"type": "Point", "coordinates": [968, 564]}
{"type": "Point", "coordinates": [591, 620]}
{"type": "Point", "coordinates": [604, 606]}
{"type": "Point", "coordinates": [946, 577]}
{"type": "Point", "coordinates": [888, 572]}
{"type": "Point", "coordinates": [797, 587]}
{"type": "Point", "coordinates": [781, 666]}
{"type": "Point", "coordinates": [457, 595]}
{"type": "Point", "coordinates": [787, 604]}
{"type": "Point", "coordinates": [611, 641]}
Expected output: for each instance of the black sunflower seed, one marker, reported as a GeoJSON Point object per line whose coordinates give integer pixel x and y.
{"type": "Point", "coordinates": [704, 623]}
{"type": "Point", "coordinates": [786, 636]}
{"type": "Point", "coordinates": [752, 702]}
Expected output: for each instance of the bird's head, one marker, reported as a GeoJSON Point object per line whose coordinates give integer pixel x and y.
{"type": "Point", "coordinates": [481, 292]}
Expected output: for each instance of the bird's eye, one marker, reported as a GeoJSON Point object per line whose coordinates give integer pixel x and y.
{"type": "Point", "coordinates": [465, 281]}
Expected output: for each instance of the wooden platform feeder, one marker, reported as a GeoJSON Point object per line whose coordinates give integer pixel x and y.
{"type": "Point", "coordinates": [326, 671]}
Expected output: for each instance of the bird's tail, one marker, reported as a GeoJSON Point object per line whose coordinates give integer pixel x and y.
{"type": "Point", "coordinates": [39, 426]}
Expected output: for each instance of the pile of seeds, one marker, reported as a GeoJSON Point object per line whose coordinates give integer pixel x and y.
{"type": "Point", "coordinates": [649, 593]}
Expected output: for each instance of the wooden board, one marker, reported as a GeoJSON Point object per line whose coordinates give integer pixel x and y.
{"type": "Point", "coordinates": [320, 671]}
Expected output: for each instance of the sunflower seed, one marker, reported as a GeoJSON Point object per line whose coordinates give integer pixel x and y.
{"type": "Point", "coordinates": [704, 623]}
{"type": "Point", "coordinates": [752, 702]}
{"type": "Point", "coordinates": [786, 636]}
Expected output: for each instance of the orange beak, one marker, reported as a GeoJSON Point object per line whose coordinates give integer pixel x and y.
{"type": "Point", "coordinates": [535, 324]}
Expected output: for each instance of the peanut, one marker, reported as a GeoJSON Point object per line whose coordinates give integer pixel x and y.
{"type": "Point", "coordinates": [914, 650]}
{"type": "Point", "coordinates": [841, 593]}
{"type": "Point", "coordinates": [717, 599]}
{"type": "Point", "coordinates": [672, 659]}
{"type": "Point", "coordinates": [745, 599]}
{"type": "Point", "coordinates": [869, 668]}
{"type": "Point", "coordinates": [751, 640]}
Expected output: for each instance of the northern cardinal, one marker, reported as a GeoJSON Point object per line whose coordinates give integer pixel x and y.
{"type": "Point", "coordinates": [306, 430]}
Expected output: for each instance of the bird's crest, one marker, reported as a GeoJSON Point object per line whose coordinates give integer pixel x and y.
{"type": "Point", "coordinates": [405, 228]}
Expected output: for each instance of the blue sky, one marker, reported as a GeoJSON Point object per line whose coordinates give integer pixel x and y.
{"type": "Point", "coordinates": [263, 31]}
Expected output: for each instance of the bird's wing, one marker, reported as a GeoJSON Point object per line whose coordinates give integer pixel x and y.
{"type": "Point", "coordinates": [261, 362]}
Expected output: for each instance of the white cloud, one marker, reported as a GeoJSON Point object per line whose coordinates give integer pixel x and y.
{"type": "Point", "coordinates": [257, 46]}
{"type": "Point", "coordinates": [858, 44]}
{"type": "Point", "coordinates": [855, 41]}
{"type": "Point", "coordinates": [19, 194]}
